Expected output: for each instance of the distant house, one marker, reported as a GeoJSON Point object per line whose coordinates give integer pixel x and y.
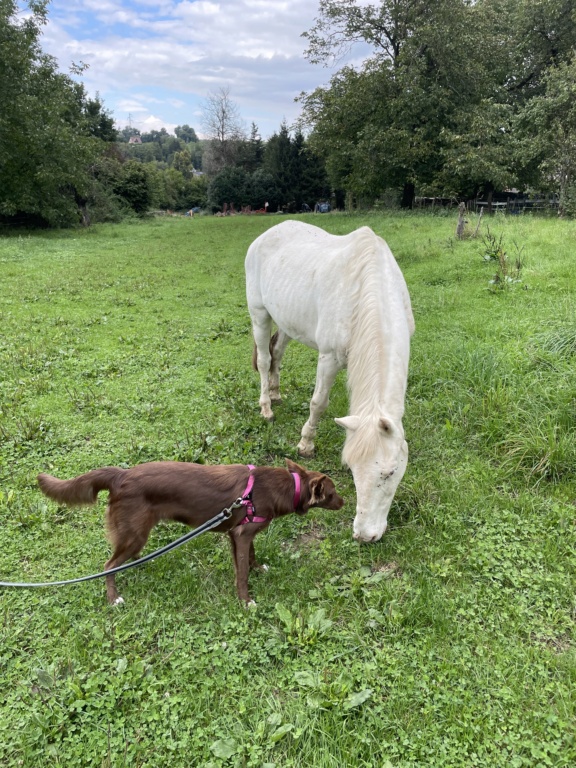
{"type": "Point", "coordinates": [134, 140]}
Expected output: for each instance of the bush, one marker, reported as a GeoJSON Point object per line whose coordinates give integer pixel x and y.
{"type": "Point", "coordinates": [229, 186]}
{"type": "Point", "coordinates": [135, 186]}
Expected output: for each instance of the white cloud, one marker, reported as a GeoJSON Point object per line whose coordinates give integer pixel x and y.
{"type": "Point", "coordinates": [153, 123]}
{"type": "Point", "coordinates": [182, 50]}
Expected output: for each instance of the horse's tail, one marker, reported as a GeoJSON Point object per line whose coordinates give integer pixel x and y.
{"type": "Point", "coordinates": [273, 341]}
{"type": "Point", "coordinates": [83, 489]}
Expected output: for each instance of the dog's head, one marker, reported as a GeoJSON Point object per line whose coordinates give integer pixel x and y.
{"type": "Point", "coordinates": [320, 490]}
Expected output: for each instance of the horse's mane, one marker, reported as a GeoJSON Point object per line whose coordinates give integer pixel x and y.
{"type": "Point", "coordinates": [372, 346]}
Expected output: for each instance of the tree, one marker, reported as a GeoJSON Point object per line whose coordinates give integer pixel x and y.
{"type": "Point", "coordinates": [390, 113]}
{"type": "Point", "coordinates": [154, 136]}
{"type": "Point", "coordinates": [279, 161]}
{"type": "Point", "coordinates": [435, 83]}
{"type": "Point", "coordinates": [386, 27]}
{"type": "Point", "coordinates": [544, 37]}
{"type": "Point", "coordinates": [185, 133]}
{"type": "Point", "coordinates": [100, 121]}
{"type": "Point", "coordinates": [183, 162]}
{"type": "Point", "coordinates": [310, 174]}
{"type": "Point", "coordinates": [134, 186]}
{"type": "Point", "coordinates": [442, 104]}
{"type": "Point", "coordinates": [262, 188]}
{"type": "Point", "coordinates": [228, 186]}
{"type": "Point", "coordinates": [224, 128]}
{"type": "Point", "coordinates": [251, 151]}
{"type": "Point", "coordinates": [480, 156]}
{"type": "Point", "coordinates": [50, 132]}
{"type": "Point", "coordinates": [549, 134]}
{"type": "Point", "coordinates": [146, 152]}
{"type": "Point", "coordinates": [102, 201]}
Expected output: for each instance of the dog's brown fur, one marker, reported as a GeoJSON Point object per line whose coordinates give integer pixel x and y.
{"type": "Point", "coordinates": [191, 494]}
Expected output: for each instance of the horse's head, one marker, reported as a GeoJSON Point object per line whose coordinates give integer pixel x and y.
{"type": "Point", "coordinates": [377, 454]}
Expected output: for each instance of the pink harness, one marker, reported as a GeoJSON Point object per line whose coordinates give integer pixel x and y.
{"type": "Point", "coordinates": [251, 516]}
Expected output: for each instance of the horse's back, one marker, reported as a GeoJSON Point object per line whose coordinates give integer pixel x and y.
{"type": "Point", "coordinates": [296, 273]}
{"type": "Point", "coordinates": [293, 253]}
{"type": "Point", "coordinates": [305, 279]}
{"type": "Point", "coordinates": [290, 245]}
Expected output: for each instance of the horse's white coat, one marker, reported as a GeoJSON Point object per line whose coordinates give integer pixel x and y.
{"type": "Point", "coordinates": [346, 297]}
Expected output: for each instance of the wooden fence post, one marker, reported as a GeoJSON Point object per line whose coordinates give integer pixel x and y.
{"type": "Point", "coordinates": [461, 221]}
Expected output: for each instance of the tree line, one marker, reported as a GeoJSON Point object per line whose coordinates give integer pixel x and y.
{"type": "Point", "coordinates": [455, 99]}
{"type": "Point", "coordinates": [232, 167]}
{"type": "Point", "coordinates": [62, 160]}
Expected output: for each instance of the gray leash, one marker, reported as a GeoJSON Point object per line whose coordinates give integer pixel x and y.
{"type": "Point", "coordinates": [225, 514]}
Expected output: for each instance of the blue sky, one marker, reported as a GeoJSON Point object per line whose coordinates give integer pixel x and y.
{"type": "Point", "coordinates": [154, 61]}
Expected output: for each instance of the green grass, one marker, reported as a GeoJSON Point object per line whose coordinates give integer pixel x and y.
{"type": "Point", "coordinates": [451, 642]}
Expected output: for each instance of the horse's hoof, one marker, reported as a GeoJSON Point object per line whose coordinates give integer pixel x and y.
{"type": "Point", "coordinates": [305, 452]}
{"type": "Point", "coordinates": [276, 397]}
{"type": "Point", "coordinates": [119, 601]}
{"type": "Point", "coordinates": [250, 604]}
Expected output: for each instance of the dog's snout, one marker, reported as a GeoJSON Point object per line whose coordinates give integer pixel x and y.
{"type": "Point", "coordinates": [335, 500]}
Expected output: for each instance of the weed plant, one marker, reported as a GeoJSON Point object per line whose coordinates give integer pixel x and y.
{"type": "Point", "coordinates": [451, 642]}
{"type": "Point", "coordinates": [508, 270]}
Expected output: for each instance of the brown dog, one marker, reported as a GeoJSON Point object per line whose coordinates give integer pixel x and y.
{"type": "Point", "coordinates": [192, 494]}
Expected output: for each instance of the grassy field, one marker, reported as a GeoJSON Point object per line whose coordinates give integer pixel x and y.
{"type": "Point", "coordinates": [451, 642]}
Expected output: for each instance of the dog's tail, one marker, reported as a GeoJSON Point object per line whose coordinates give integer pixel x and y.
{"type": "Point", "coordinates": [83, 489]}
{"type": "Point", "coordinates": [273, 341]}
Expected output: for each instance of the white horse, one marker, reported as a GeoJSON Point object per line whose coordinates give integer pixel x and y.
{"type": "Point", "coordinates": [346, 297]}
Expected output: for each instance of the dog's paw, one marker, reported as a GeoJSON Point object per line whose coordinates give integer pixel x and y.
{"type": "Point", "coordinates": [119, 601]}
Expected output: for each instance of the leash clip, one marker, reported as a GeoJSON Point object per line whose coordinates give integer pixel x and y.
{"type": "Point", "coordinates": [227, 511]}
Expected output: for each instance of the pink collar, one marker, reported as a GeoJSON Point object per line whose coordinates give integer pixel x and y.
{"type": "Point", "coordinates": [296, 477]}
{"type": "Point", "coordinates": [251, 516]}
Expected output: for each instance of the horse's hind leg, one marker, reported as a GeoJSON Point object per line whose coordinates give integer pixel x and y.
{"type": "Point", "coordinates": [280, 341]}
{"type": "Point", "coordinates": [261, 328]}
{"type": "Point", "coordinates": [328, 367]}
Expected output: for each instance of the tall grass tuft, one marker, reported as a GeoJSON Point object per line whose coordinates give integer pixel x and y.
{"type": "Point", "coordinates": [561, 341]}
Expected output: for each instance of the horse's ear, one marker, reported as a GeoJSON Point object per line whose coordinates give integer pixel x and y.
{"type": "Point", "coordinates": [349, 422]}
{"type": "Point", "coordinates": [386, 425]}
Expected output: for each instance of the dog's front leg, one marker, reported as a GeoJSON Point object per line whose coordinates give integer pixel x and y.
{"type": "Point", "coordinates": [241, 540]}
{"type": "Point", "coordinates": [254, 566]}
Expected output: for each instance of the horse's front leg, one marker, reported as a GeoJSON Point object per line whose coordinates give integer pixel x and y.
{"type": "Point", "coordinates": [328, 367]}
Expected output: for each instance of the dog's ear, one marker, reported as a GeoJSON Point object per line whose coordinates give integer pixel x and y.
{"type": "Point", "coordinates": [317, 494]}
{"type": "Point", "coordinates": [293, 467]}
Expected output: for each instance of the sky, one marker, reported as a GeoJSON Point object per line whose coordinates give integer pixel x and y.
{"type": "Point", "coordinates": [153, 62]}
